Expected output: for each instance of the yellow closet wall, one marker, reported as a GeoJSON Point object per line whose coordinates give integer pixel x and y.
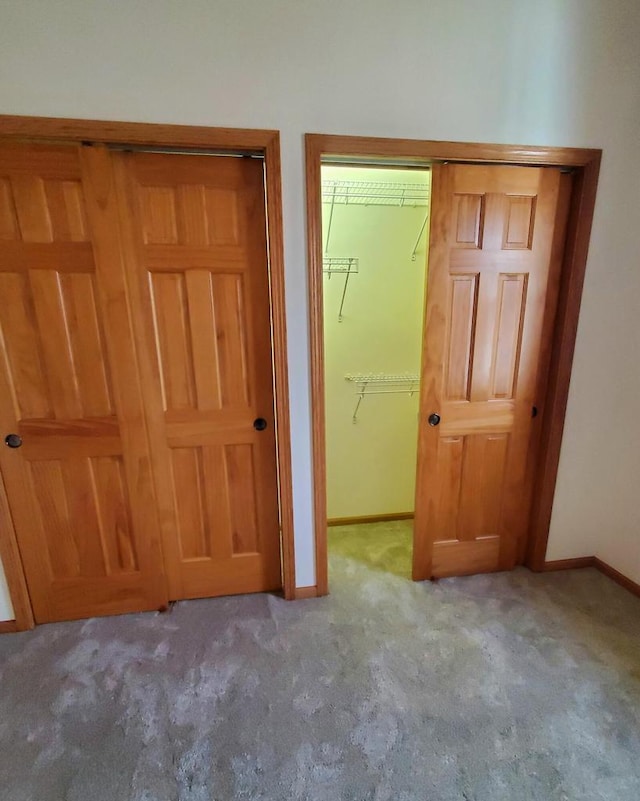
{"type": "Point", "coordinates": [371, 463]}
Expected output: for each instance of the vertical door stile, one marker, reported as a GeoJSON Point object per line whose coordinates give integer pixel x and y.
{"type": "Point", "coordinates": [154, 392]}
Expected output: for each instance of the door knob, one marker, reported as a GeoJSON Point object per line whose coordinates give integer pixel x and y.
{"type": "Point", "coordinates": [434, 419]}
{"type": "Point", "coordinates": [259, 424]}
{"type": "Point", "coordinates": [13, 440]}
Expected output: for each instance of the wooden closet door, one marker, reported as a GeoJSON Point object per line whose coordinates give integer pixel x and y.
{"type": "Point", "coordinates": [197, 235]}
{"type": "Point", "coordinates": [79, 485]}
{"type": "Point", "coordinates": [496, 236]}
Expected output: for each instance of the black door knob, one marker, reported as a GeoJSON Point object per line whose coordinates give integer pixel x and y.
{"type": "Point", "coordinates": [434, 419]}
{"type": "Point", "coordinates": [259, 424]}
{"type": "Point", "coordinates": [13, 440]}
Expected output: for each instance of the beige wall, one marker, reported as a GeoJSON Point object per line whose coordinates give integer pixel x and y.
{"type": "Point", "coordinates": [371, 464]}
{"type": "Point", "coordinates": [554, 73]}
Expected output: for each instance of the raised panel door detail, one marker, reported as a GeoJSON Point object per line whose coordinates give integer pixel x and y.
{"type": "Point", "coordinates": [231, 333]}
{"type": "Point", "coordinates": [243, 501]}
{"type": "Point", "coordinates": [449, 479]}
{"type": "Point", "coordinates": [192, 486]}
{"type": "Point", "coordinates": [173, 340]}
{"type": "Point", "coordinates": [462, 318]}
{"type": "Point", "coordinates": [71, 343]}
{"type": "Point", "coordinates": [83, 504]}
{"type": "Point", "coordinates": [86, 344]}
{"type": "Point", "coordinates": [159, 220]}
{"type": "Point", "coordinates": [30, 198]}
{"type": "Point", "coordinates": [468, 211]}
{"type": "Point", "coordinates": [8, 216]}
{"type": "Point", "coordinates": [519, 222]}
{"type": "Point", "coordinates": [190, 215]}
{"type": "Point", "coordinates": [66, 207]}
{"type": "Point", "coordinates": [512, 291]}
{"type": "Point", "coordinates": [114, 514]}
{"type": "Point", "coordinates": [203, 320]}
{"type": "Point", "coordinates": [223, 217]}
{"type": "Point", "coordinates": [22, 350]}
{"type": "Point", "coordinates": [482, 467]}
{"type": "Point", "coordinates": [200, 320]}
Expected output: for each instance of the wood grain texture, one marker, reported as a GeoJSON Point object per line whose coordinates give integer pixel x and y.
{"type": "Point", "coordinates": [570, 564]}
{"type": "Point", "coordinates": [10, 626]}
{"type": "Point", "coordinates": [13, 567]}
{"type": "Point", "coordinates": [303, 593]}
{"type": "Point", "coordinates": [77, 256]}
{"type": "Point", "coordinates": [455, 558]}
{"type": "Point", "coordinates": [504, 323]}
{"type": "Point", "coordinates": [22, 128]}
{"type": "Point", "coordinates": [207, 339]}
{"type": "Point", "coordinates": [418, 149]}
{"type": "Point", "coordinates": [273, 185]}
{"type": "Point", "coordinates": [443, 503]}
{"type": "Point", "coordinates": [548, 339]}
{"type": "Point", "coordinates": [313, 154]}
{"type": "Point", "coordinates": [354, 521]}
{"type": "Point", "coordinates": [573, 262]}
{"type": "Point", "coordinates": [86, 548]}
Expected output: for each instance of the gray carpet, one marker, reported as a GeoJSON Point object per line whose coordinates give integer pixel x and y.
{"type": "Point", "coordinates": [506, 687]}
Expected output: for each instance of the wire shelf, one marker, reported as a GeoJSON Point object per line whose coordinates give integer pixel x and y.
{"type": "Point", "coordinates": [382, 384]}
{"type": "Point", "coordinates": [383, 378]}
{"type": "Point", "coordinates": [374, 193]}
{"type": "Point", "coordinates": [331, 265]}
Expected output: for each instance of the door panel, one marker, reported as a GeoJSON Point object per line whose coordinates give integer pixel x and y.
{"type": "Point", "coordinates": [197, 234]}
{"type": "Point", "coordinates": [79, 488]}
{"type": "Point", "coordinates": [492, 259]}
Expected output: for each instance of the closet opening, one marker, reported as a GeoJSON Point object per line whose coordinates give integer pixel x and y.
{"type": "Point", "coordinates": [375, 232]}
{"type": "Point", "coordinates": [507, 256]}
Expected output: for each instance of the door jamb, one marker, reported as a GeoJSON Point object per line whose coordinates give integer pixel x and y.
{"type": "Point", "coordinates": [586, 165]}
{"type": "Point", "coordinates": [61, 130]}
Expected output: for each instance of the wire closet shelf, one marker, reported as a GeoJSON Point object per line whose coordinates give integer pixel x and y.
{"type": "Point", "coordinates": [382, 384]}
{"type": "Point", "coordinates": [375, 193]}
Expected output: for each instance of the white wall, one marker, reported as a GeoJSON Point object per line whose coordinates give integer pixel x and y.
{"type": "Point", "coordinates": [371, 464]}
{"type": "Point", "coordinates": [6, 607]}
{"type": "Point", "coordinates": [555, 73]}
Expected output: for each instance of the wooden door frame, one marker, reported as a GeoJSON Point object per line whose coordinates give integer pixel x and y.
{"type": "Point", "coordinates": [586, 166]}
{"type": "Point", "coordinates": [266, 142]}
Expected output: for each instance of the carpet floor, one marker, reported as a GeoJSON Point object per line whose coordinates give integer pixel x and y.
{"type": "Point", "coordinates": [506, 687]}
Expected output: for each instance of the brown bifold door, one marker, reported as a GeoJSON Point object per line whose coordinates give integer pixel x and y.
{"type": "Point", "coordinates": [196, 238]}
{"type": "Point", "coordinates": [495, 253]}
{"type": "Point", "coordinates": [74, 456]}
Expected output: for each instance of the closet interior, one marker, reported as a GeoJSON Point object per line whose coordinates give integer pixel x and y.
{"type": "Point", "coordinates": [375, 223]}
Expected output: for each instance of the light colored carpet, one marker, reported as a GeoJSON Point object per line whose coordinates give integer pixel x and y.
{"type": "Point", "coordinates": [509, 687]}
{"type": "Point", "coordinates": [385, 547]}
